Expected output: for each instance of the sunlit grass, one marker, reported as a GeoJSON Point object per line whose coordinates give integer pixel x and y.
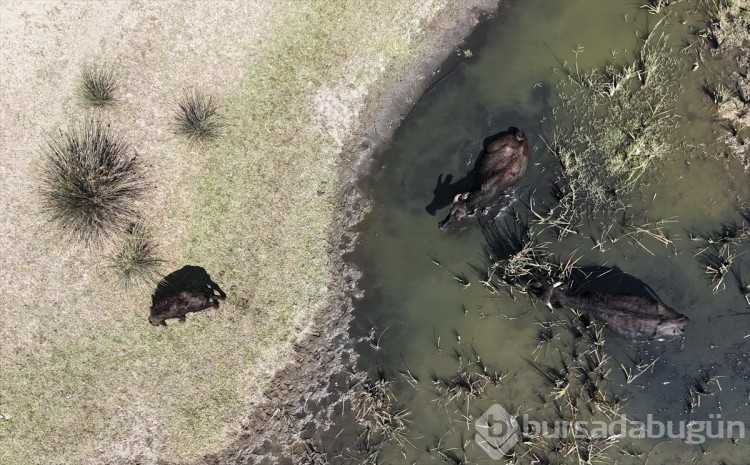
{"type": "Point", "coordinates": [256, 218]}
{"type": "Point", "coordinates": [137, 260]}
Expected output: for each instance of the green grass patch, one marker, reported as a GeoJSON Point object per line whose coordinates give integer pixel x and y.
{"type": "Point", "coordinates": [258, 223]}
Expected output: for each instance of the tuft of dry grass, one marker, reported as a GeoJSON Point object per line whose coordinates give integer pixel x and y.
{"type": "Point", "coordinates": [90, 182]}
{"type": "Point", "coordinates": [137, 260]}
{"type": "Point", "coordinates": [99, 86]}
{"type": "Point", "coordinates": [198, 117]}
{"type": "Point", "coordinates": [720, 249]}
{"type": "Point", "coordinates": [376, 409]}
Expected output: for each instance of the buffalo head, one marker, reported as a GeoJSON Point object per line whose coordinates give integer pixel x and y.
{"type": "Point", "coordinates": [673, 327]}
{"type": "Point", "coordinates": [459, 210]}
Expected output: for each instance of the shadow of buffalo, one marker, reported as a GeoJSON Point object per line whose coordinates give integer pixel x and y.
{"type": "Point", "coordinates": [187, 278]}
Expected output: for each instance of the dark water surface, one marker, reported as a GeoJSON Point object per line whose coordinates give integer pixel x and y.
{"type": "Point", "coordinates": [426, 322]}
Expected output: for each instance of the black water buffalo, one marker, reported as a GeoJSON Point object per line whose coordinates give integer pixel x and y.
{"type": "Point", "coordinates": [630, 316]}
{"type": "Point", "coordinates": [177, 306]}
{"type": "Point", "coordinates": [500, 166]}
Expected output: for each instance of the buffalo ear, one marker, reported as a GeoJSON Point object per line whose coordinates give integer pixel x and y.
{"type": "Point", "coordinates": [455, 199]}
{"type": "Point", "coordinates": [464, 196]}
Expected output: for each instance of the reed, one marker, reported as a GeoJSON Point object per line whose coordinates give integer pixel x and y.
{"type": "Point", "coordinates": [718, 93]}
{"type": "Point", "coordinates": [376, 409]}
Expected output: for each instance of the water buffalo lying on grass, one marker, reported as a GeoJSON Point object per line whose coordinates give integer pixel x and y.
{"type": "Point", "coordinates": [177, 306]}
{"type": "Point", "coordinates": [500, 166]}
{"type": "Point", "coordinates": [630, 316]}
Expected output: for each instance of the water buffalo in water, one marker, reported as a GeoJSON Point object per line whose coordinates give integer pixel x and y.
{"type": "Point", "coordinates": [630, 316]}
{"type": "Point", "coordinates": [502, 164]}
{"type": "Point", "coordinates": [177, 306]}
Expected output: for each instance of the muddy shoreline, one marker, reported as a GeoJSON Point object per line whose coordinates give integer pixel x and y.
{"type": "Point", "coordinates": [286, 427]}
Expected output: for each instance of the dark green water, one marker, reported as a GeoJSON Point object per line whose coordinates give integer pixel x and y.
{"type": "Point", "coordinates": [427, 323]}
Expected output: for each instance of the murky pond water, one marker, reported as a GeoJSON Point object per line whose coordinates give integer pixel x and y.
{"type": "Point", "coordinates": [423, 324]}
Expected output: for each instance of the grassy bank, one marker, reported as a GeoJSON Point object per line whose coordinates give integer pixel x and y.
{"type": "Point", "coordinates": [85, 378]}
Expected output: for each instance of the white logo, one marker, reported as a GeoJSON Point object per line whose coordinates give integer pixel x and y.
{"type": "Point", "coordinates": [497, 432]}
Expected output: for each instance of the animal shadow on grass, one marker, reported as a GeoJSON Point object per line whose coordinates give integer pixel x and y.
{"type": "Point", "coordinates": [187, 278]}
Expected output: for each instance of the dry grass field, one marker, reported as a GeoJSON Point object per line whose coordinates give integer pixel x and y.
{"type": "Point", "coordinates": [85, 378]}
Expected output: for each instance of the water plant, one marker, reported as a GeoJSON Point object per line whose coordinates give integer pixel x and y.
{"type": "Point", "coordinates": [375, 341]}
{"type": "Point", "coordinates": [655, 6]}
{"type": "Point", "coordinates": [98, 86]}
{"type": "Point", "coordinates": [90, 182]}
{"type": "Point", "coordinates": [700, 386]}
{"type": "Point", "coordinates": [637, 369]}
{"type": "Point", "coordinates": [376, 409]}
{"type": "Point", "coordinates": [718, 267]}
{"type": "Point", "coordinates": [720, 249]}
{"type": "Point", "coordinates": [617, 120]}
{"type": "Point", "coordinates": [545, 336]}
{"type": "Point", "coordinates": [518, 261]}
{"type": "Point", "coordinates": [410, 379]}
{"type": "Point", "coordinates": [198, 117]}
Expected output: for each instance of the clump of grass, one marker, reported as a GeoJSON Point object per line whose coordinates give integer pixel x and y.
{"type": "Point", "coordinates": [719, 93]}
{"type": "Point", "coordinates": [732, 235]}
{"type": "Point", "coordinates": [532, 266]}
{"type": "Point", "coordinates": [98, 86]}
{"type": "Point", "coordinates": [467, 383]}
{"type": "Point", "coordinates": [90, 182]}
{"type": "Point", "coordinates": [470, 382]}
{"type": "Point", "coordinates": [721, 248]}
{"type": "Point", "coordinates": [137, 260]}
{"type": "Point", "coordinates": [377, 410]}
{"type": "Point", "coordinates": [545, 336]}
{"type": "Point", "coordinates": [198, 117]}
{"type": "Point", "coordinates": [699, 387]}
{"type": "Point", "coordinates": [578, 390]}
{"type": "Point", "coordinates": [718, 267]}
